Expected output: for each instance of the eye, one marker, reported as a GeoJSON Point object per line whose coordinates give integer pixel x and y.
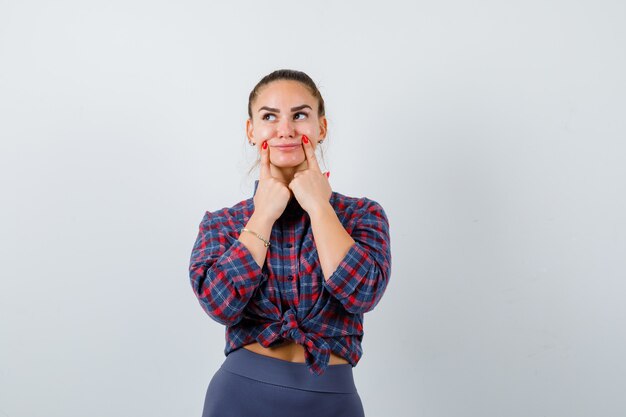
{"type": "Point", "coordinates": [264, 117]}
{"type": "Point", "coordinates": [302, 113]}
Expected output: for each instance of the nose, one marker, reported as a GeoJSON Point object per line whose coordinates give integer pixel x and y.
{"type": "Point", "coordinates": [285, 128]}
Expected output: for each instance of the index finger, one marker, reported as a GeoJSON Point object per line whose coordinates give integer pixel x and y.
{"type": "Point", "coordinates": [265, 171]}
{"type": "Point", "coordinates": [310, 155]}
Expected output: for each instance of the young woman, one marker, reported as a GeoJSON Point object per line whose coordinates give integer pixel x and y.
{"type": "Point", "coordinates": [291, 270]}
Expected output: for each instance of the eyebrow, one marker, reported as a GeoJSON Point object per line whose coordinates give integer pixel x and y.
{"type": "Point", "coordinates": [292, 109]}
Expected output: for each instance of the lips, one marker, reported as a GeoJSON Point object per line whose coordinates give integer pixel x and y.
{"type": "Point", "coordinates": [287, 146]}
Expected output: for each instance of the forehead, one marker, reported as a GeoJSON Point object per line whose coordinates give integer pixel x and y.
{"type": "Point", "coordinates": [284, 92]}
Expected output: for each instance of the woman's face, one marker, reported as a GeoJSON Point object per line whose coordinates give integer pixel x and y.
{"type": "Point", "coordinates": [282, 112]}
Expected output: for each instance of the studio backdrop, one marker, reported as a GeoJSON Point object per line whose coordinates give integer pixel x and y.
{"type": "Point", "coordinates": [492, 133]}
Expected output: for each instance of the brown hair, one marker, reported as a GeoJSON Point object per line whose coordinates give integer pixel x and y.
{"type": "Point", "coordinates": [286, 74]}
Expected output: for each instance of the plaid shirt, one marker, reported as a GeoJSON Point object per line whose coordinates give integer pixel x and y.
{"type": "Point", "coordinates": [289, 297]}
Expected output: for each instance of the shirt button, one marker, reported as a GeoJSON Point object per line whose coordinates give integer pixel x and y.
{"type": "Point", "coordinates": [290, 277]}
{"type": "Point", "coordinates": [288, 245]}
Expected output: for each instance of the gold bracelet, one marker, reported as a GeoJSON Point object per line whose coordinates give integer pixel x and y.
{"type": "Point", "coordinates": [265, 242]}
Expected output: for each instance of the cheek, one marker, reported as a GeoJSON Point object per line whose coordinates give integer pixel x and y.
{"type": "Point", "coordinates": [307, 129]}
{"type": "Point", "coordinates": [265, 132]}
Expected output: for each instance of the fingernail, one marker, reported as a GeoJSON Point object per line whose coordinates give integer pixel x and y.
{"type": "Point", "coordinates": [265, 145]}
{"type": "Point", "coordinates": [305, 139]}
{"type": "Point", "coordinates": [327, 174]}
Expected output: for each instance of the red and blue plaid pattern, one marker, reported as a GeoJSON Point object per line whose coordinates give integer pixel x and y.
{"type": "Point", "coordinates": [289, 298]}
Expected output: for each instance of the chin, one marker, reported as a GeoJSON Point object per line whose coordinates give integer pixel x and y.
{"type": "Point", "coordinates": [287, 164]}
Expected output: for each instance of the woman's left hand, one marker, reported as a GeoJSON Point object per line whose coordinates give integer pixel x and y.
{"type": "Point", "coordinates": [311, 186]}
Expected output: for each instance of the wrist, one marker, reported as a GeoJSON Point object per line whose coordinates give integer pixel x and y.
{"type": "Point", "coordinates": [260, 222]}
{"type": "Point", "coordinates": [323, 210]}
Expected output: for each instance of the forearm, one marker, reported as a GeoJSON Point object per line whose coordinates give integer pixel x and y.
{"type": "Point", "coordinates": [331, 238]}
{"type": "Point", "coordinates": [224, 272]}
{"type": "Point", "coordinates": [256, 246]}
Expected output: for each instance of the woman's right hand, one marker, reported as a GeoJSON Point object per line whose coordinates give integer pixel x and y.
{"type": "Point", "coordinates": [272, 195]}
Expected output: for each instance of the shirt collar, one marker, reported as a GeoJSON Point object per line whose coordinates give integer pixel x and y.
{"type": "Point", "coordinates": [256, 185]}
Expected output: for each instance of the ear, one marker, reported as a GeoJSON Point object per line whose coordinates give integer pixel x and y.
{"type": "Point", "coordinates": [249, 130]}
{"type": "Point", "coordinates": [323, 127]}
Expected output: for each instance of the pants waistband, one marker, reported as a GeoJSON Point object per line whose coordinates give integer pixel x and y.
{"type": "Point", "coordinates": [336, 378]}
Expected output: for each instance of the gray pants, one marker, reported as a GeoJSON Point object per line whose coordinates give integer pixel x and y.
{"type": "Point", "coordinates": [249, 384]}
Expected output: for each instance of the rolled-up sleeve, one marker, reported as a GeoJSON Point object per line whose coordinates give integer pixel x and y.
{"type": "Point", "coordinates": [223, 272]}
{"type": "Point", "coordinates": [361, 278]}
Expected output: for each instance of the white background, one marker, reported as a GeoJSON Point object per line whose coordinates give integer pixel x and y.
{"type": "Point", "coordinates": [491, 132]}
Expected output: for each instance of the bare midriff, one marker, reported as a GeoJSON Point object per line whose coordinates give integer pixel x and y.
{"type": "Point", "coordinates": [290, 351]}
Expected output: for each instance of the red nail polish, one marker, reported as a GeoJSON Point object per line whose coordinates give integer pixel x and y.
{"type": "Point", "coordinates": [328, 174]}
{"type": "Point", "coordinates": [265, 145]}
{"type": "Point", "coordinates": [305, 139]}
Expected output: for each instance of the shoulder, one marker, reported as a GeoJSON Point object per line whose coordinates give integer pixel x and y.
{"type": "Point", "coordinates": [233, 217]}
{"type": "Point", "coordinates": [350, 207]}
